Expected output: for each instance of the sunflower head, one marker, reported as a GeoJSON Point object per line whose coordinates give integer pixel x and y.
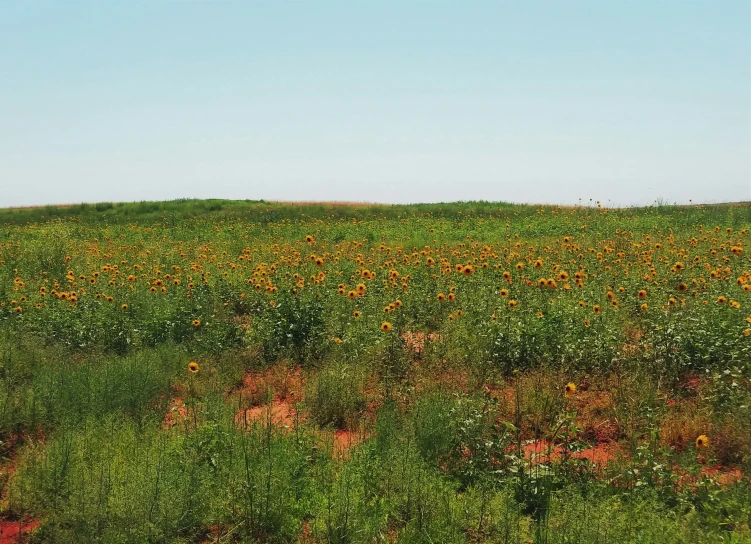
{"type": "Point", "coordinates": [196, 322]}
{"type": "Point", "coordinates": [193, 367]}
{"type": "Point", "coordinates": [386, 326]}
{"type": "Point", "coordinates": [702, 441]}
{"type": "Point", "coordinates": [570, 388]}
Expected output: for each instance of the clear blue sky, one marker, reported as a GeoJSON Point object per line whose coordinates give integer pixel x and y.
{"type": "Point", "coordinates": [389, 101]}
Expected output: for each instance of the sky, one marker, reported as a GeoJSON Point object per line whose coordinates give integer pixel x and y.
{"type": "Point", "coordinates": [623, 101]}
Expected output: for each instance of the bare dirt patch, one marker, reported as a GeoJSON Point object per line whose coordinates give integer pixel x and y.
{"type": "Point", "coordinates": [280, 412]}
{"type": "Point", "coordinates": [176, 413]}
{"type": "Point", "coordinates": [11, 532]}
{"type": "Point", "coordinates": [539, 451]}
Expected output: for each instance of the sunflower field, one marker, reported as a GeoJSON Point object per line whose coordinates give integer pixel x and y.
{"type": "Point", "coordinates": [248, 371]}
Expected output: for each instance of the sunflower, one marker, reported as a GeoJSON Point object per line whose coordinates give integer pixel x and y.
{"type": "Point", "coordinates": [582, 304]}
{"type": "Point", "coordinates": [452, 297]}
{"type": "Point", "coordinates": [512, 303]}
{"type": "Point", "coordinates": [441, 297]}
{"type": "Point", "coordinates": [398, 303]}
{"type": "Point", "coordinates": [570, 388]}
{"type": "Point", "coordinates": [597, 309]}
{"type": "Point", "coordinates": [459, 312]}
{"type": "Point", "coordinates": [540, 315]}
{"type": "Point", "coordinates": [309, 238]}
{"type": "Point", "coordinates": [193, 367]}
{"type": "Point", "coordinates": [746, 332]}
{"type": "Point", "coordinates": [682, 287]}
{"type": "Point", "coordinates": [124, 307]}
{"type": "Point", "coordinates": [468, 270]}
{"type": "Point", "coordinates": [196, 322]}
{"type": "Point", "coordinates": [587, 323]}
{"type": "Point", "coordinates": [702, 441]}
{"type": "Point", "coordinates": [722, 299]}
{"type": "Point", "coordinates": [352, 295]}
{"type": "Point", "coordinates": [644, 307]}
{"type": "Point", "coordinates": [386, 326]}
{"type": "Point", "coordinates": [642, 294]}
{"type": "Point", "coordinates": [503, 292]}
{"type": "Point", "coordinates": [356, 314]}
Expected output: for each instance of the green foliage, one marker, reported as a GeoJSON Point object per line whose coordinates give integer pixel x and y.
{"type": "Point", "coordinates": [336, 396]}
{"type": "Point", "coordinates": [113, 439]}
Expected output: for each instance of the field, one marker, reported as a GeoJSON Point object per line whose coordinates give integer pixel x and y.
{"type": "Point", "coordinates": [227, 371]}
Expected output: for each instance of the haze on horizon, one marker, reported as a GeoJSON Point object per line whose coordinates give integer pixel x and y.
{"type": "Point", "coordinates": [396, 102]}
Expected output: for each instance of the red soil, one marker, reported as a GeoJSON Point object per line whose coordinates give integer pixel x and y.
{"type": "Point", "coordinates": [281, 412]}
{"type": "Point", "coordinates": [721, 474]}
{"type": "Point", "coordinates": [305, 536]}
{"type": "Point", "coordinates": [544, 451]}
{"type": "Point", "coordinates": [11, 532]}
{"type": "Point", "coordinates": [344, 440]}
{"type": "Point", "coordinates": [285, 383]}
{"type": "Point", "coordinates": [176, 413]}
{"type": "Point", "coordinates": [415, 341]}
